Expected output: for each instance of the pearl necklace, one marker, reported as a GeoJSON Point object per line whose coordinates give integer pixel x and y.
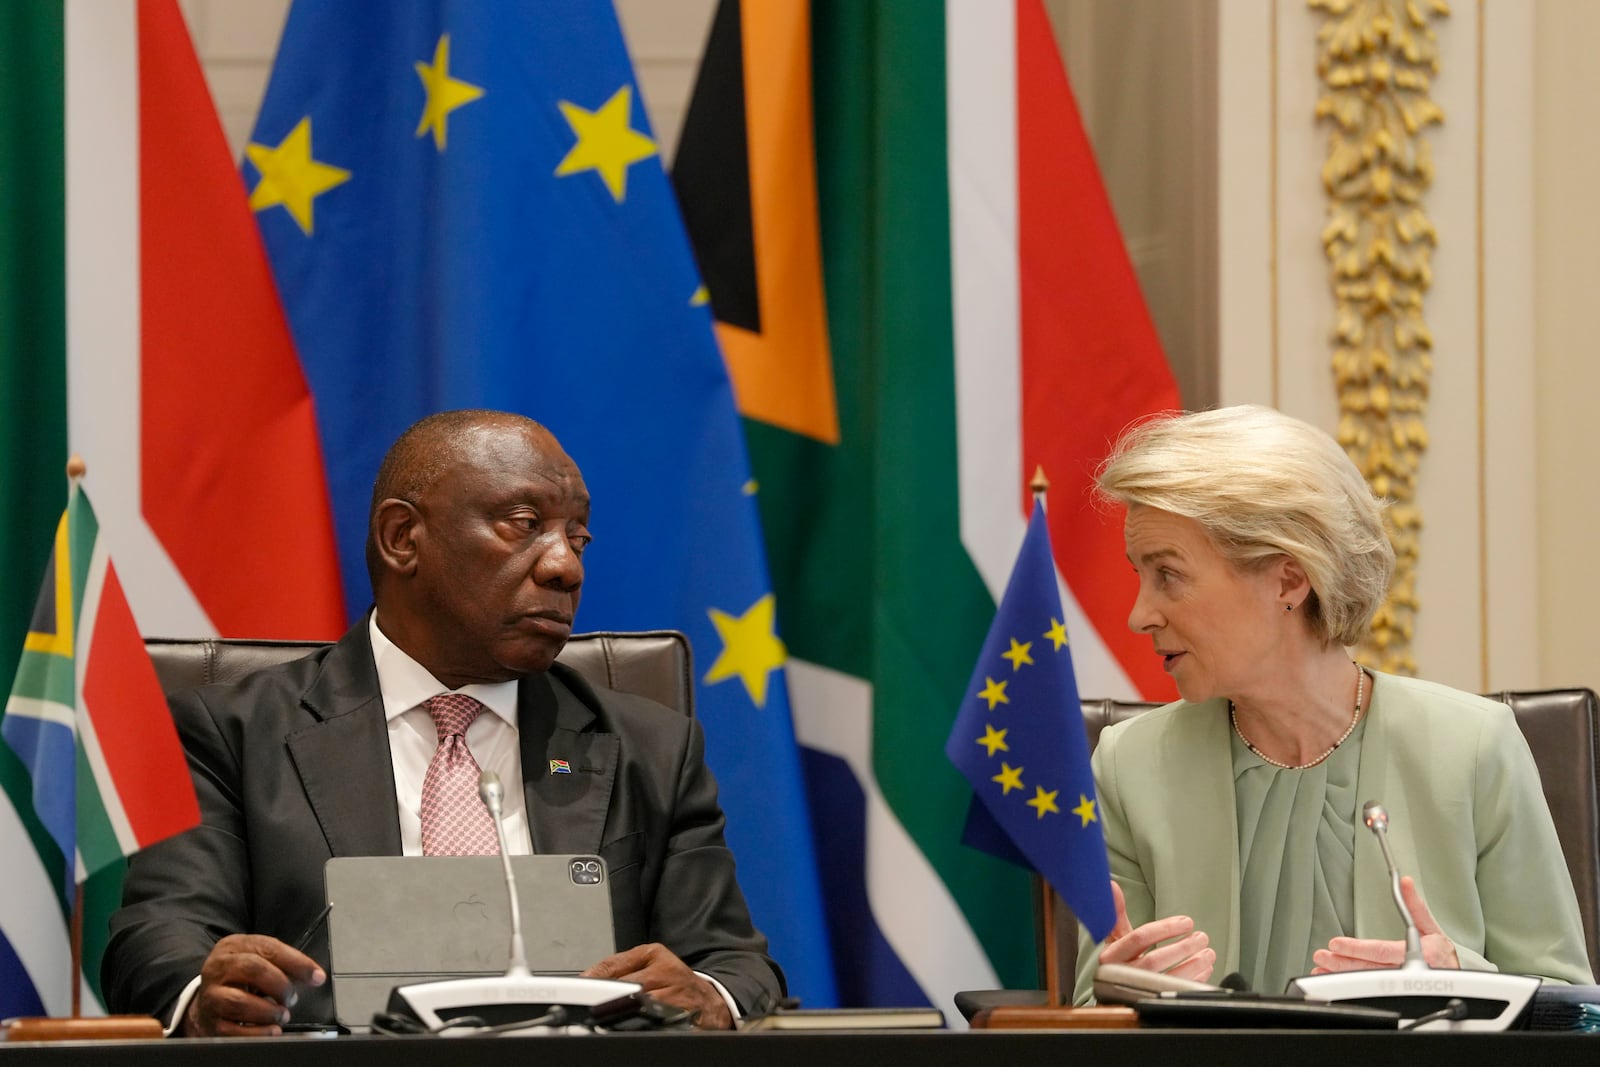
{"type": "Point", "coordinates": [1361, 682]}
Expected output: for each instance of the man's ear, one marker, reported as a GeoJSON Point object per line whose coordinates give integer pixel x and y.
{"type": "Point", "coordinates": [397, 531]}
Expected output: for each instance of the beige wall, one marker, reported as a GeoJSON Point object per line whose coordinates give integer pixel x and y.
{"type": "Point", "coordinates": [236, 43]}
{"type": "Point", "coordinates": [1503, 579]}
{"type": "Point", "coordinates": [1476, 579]}
{"type": "Point", "coordinates": [1566, 352]}
{"type": "Point", "coordinates": [1200, 111]}
{"type": "Point", "coordinates": [1144, 74]}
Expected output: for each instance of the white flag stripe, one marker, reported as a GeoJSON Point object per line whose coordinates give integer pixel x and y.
{"type": "Point", "coordinates": [110, 799]}
{"type": "Point", "coordinates": [102, 141]}
{"type": "Point", "coordinates": [103, 293]}
{"type": "Point", "coordinates": [986, 297]}
{"type": "Point", "coordinates": [43, 710]}
{"type": "Point", "coordinates": [981, 151]}
{"type": "Point", "coordinates": [912, 905]}
{"type": "Point", "coordinates": [30, 916]}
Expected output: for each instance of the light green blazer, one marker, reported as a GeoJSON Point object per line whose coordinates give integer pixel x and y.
{"type": "Point", "coordinates": [1467, 819]}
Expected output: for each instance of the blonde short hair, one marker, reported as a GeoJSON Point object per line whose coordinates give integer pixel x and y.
{"type": "Point", "coordinates": [1263, 484]}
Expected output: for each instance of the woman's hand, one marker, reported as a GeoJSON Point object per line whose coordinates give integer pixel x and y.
{"type": "Point", "coordinates": [1190, 956]}
{"type": "Point", "coordinates": [1365, 954]}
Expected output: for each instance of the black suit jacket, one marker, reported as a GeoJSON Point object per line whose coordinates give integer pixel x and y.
{"type": "Point", "coordinates": [292, 767]}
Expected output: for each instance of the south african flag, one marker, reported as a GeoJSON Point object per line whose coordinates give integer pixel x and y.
{"type": "Point", "coordinates": [91, 766]}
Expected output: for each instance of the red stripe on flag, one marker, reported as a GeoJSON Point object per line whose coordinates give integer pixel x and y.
{"type": "Point", "coordinates": [233, 482]}
{"type": "Point", "coordinates": [1091, 360]}
{"type": "Point", "coordinates": [123, 698]}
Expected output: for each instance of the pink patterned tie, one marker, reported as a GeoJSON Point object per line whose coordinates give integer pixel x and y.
{"type": "Point", "coordinates": [454, 820]}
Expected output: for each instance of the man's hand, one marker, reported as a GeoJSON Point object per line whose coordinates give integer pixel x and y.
{"type": "Point", "coordinates": [668, 979]}
{"type": "Point", "coordinates": [247, 986]}
{"type": "Point", "coordinates": [1365, 954]}
{"type": "Point", "coordinates": [1189, 956]}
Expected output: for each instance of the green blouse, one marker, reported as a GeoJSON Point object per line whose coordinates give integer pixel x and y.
{"type": "Point", "coordinates": [1296, 860]}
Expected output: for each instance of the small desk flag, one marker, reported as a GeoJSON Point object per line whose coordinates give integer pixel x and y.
{"type": "Point", "coordinates": [91, 763]}
{"type": "Point", "coordinates": [1019, 739]}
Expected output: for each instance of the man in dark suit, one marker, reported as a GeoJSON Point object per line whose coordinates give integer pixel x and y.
{"type": "Point", "coordinates": [478, 526]}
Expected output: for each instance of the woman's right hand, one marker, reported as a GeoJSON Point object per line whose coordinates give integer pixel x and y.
{"type": "Point", "coordinates": [1190, 956]}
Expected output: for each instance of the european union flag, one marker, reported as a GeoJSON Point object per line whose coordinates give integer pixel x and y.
{"type": "Point", "coordinates": [464, 206]}
{"type": "Point", "coordinates": [1019, 739]}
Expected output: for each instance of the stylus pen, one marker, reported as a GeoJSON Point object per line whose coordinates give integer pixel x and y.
{"type": "Point", "coordinates": [305, 939]}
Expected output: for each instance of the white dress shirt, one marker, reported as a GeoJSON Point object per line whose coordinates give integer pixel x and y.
{"type": "Point", "coordinates": [492, 739]}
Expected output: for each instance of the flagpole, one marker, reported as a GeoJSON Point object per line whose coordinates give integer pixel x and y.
{"type": "Point", "coordinates": [1040, 486]}
{"type": "Point", "coordinates": [77, 951]}
{"type": "Point", "coordinates": [76, 469]}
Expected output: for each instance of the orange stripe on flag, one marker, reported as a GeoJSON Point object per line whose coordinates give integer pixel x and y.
{"type": "Point", "coordinates": [138, 741]}
{"type": "Point", "coordinates": [232, 474]}
{"type": "Point", "coordinates": [784, 375]}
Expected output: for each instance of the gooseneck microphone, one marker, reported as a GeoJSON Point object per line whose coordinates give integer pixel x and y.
{"type": "Point", "coordinates": [1429, 998]}
{"type": "Point", "coordinates": [1377, 819]}
{"type": "Point", "coordinates": [517, 998]}
{"type": "Point", "coordinates": [490, 792]}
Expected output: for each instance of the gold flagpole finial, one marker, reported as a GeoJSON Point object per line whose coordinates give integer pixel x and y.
{"type": "Point", "coordinates": [1039, 483]}
{"type": "Point", "coordinates": [76, 467]}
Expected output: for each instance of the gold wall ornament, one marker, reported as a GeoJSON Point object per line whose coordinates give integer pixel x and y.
{"type": "Point", "coordinates": [1377, 60]}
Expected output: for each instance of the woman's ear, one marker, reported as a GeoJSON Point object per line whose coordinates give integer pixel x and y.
{"type": "Point", "coordinates": [1294, 585]}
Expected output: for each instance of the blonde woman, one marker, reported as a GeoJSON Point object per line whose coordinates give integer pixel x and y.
{"type": "Point", "coordinates": [1232, 817]}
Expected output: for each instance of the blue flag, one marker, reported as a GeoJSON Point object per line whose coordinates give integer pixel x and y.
{"type": "Point", "coordinates": [1019, 739]}
{"type": "Point", "coordinates": [464, 206]}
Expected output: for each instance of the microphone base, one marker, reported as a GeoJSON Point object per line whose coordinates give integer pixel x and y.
{"type": "Point", "coordinates": [1494, 1001]}
{"type": "Point", "coordinates": [506, 998]}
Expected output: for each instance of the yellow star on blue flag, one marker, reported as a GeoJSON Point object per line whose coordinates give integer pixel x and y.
{"type": "Point", "coordinates": [1085, 809]}
{"type": "Point", "coordinates": [607, 142]}
{"type": "Point", "coordinates": [994, 740]}
{"type": "Point", "coordinates": [444, 93]}
{"type": "Point", "coordinates": [1044, 802]}
{"type": "Point", "coordinates": [751, 649]}
{"type": "Point", "coordinates": [291, 177]}
{"type": "Point", "coordinates": [1019, 654]}
{"type": "Point", "coordinates": [1056, 635]}
{"type": "Point", "coordinates": [1009, 778]}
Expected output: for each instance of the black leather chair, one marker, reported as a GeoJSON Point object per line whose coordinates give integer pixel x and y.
{"type": "Point", "coordinates": [649, 663]}
{"type": "Point", "coordinates": [1562, 727]}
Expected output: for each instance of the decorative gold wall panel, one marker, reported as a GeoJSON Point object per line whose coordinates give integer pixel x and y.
{"type": "Point", "coordinates": [1376, 61]}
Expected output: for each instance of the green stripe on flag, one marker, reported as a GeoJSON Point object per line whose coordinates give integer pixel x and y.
{"type": "Point", "coordinates": [83, 530]}
{"type": "Point", "coordinates": [864, 537]}
{"type": "Point", "coordinates": [97, 840]}
{"type": "Point", "coordinates": [102, 895]}
{"type": "Point", "coordinates": [46, 676]}
{"type": "Point", "coordinates": [33, 345]}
